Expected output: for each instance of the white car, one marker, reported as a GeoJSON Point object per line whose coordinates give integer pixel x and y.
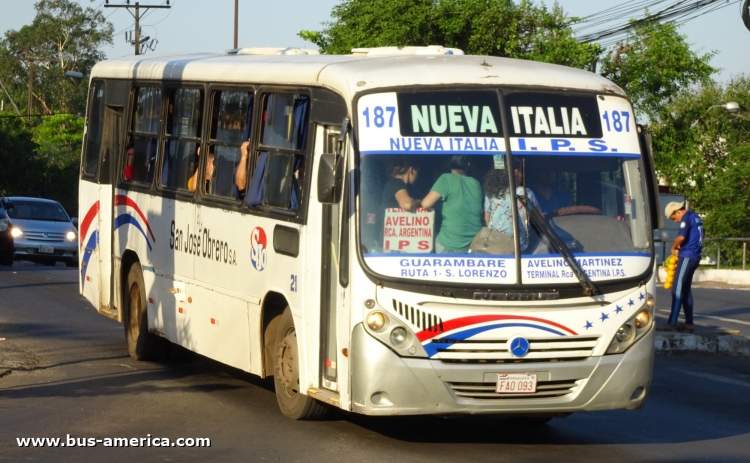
{"type": "Point", "coordinates": [42, 231]}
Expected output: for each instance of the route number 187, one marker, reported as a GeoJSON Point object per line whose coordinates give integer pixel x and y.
{"type": "Point", "coordinates": [616, 118]}
{"type": "Point", "coordinates": [379, 116]}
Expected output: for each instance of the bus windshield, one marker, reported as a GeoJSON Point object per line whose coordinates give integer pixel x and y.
{"type": "Point", "coordinates": [440, 199]}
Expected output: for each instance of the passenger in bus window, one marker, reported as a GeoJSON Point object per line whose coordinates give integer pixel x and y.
{"type": "Point", "coordinates": [549, 196]}
{"type": "Point", "coordinates": [240, 174]}
{"type": "Point", "coordinates": [193, 181]}
{"type": "Point", "coordinates": [130, 155]}
{"type": "Point", "coordinates": [404, 172]}
{"type": "Point", "coordinates": [461, 197]}
{"type": "Point", "coordinates": [498, 209]}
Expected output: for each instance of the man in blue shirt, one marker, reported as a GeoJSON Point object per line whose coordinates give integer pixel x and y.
{"type": "Point", "coordinates": [687, 246]}
{"type": "Point", "coordinates": [550, 198]}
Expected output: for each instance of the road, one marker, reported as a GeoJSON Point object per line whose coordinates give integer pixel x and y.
{"type": "Point", "coordinates": [727, 308]}
{"type": "Point", "coordinates": [72, 375]}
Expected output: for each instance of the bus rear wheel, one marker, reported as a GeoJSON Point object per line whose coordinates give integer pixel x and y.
{"type": "Point", "coordinates": [291, 401]}
{"type": "Point", "coordinates": [142, 345]}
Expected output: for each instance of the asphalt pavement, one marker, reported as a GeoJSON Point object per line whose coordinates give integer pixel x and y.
{"type": "Point", "coordinates": [64, 370]}
{"type": "Point", "coordinates": [715, 305]}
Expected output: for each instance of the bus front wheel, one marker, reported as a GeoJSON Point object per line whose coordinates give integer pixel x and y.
{"type": "Point", "coordinates": [292, 402]}
{"type": "Point", "coordinates": [142, 345]}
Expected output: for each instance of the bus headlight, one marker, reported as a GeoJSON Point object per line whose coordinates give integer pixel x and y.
{"type": "Point", "coordinates": [16, 232]}
{"type": "Point", "coordinates": [376, 320]}
{"type": "Point", "coordinates": [70, 236]}
{"type": "Point", "coordinates": [642, 319]}
{"type": "Point", "coordinates": [631, 331]}
{"type": "Point", "coordinates": [398, 336]}
{"type": "Point", "coordinates": [624, 333]}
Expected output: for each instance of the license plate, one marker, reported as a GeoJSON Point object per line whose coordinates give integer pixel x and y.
{"type": "Point", "coordinates": [47, 249]}
{"type": "Point", "coordinates": [516, 383]}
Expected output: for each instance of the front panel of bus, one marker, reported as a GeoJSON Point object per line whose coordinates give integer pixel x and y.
{"type": "Point", "coordinates": [504, 243]}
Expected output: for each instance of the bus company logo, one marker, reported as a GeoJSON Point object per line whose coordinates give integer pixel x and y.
{"type": "Point", "coordinates": [126, 218]}
{"type": "Point", "coordinates": [258, 244]}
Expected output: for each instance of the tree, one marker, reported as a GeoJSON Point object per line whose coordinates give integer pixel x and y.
{"type": "Point", "coordinates": [694, 139]}
{"type": "Point", "coordinates": [653, 64]}
{"type": "Point", "coordinates": [59, 139]}
{"type": "Point", "coordinates": [63, 36]}
{"type": "Point", "coordinates": [480, 27]}
{"type": "Point", "coordinates": [17, 157]}
{"type": "Point", "coordinates": [727, 201]}
{"type": "Point", "coordinates": [704, 152]}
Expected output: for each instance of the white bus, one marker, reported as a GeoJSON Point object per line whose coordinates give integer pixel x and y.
{"type": "Point", "coordinates": [397, 231]}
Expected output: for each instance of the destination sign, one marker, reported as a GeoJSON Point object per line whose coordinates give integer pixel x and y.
{"type": "Point", "coordinates": [470, 113]}
{"type": "Point", "coordinates": [550, 114]}
{"type": "Point", "coordinates": [540, 123]}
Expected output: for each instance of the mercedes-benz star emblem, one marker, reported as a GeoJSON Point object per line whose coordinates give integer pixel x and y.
{"type": "Point", "coordinates": [518, 346]}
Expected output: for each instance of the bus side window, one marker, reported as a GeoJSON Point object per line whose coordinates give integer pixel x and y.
{"type": "Point", "coordinates": [182, 137]}
{"type": "Point", "coordinates": [94, 132]}
{"type": "Point", "coordinates": [143, 130]}
{"type": "Point", "coordinates": [283, 139]}
{"type": "Point", "coordinates": [231, 113]}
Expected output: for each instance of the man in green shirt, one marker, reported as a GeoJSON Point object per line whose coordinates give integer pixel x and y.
{"type": "Point", "coordinates": [462, 207]}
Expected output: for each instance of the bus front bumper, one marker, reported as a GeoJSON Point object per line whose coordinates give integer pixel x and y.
{"type": "Point", "coordinates": [385, 384]}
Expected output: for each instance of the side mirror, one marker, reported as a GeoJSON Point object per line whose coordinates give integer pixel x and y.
{"type": "Point", "coordinates": [330, 176]}
{"type": "Point", "coordinates": [74, 220]}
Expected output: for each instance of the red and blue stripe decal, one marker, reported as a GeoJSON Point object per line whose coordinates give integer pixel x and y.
{"type": "Point", "coordinates": [127, 219]}
{"type": "Point", "coordinates": [460, 329]}
{"type": "Point", "coordinates": [92, 242]}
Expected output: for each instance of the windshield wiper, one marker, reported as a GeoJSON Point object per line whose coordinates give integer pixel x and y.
{"type": "Point", "coordinates": [589, 289]}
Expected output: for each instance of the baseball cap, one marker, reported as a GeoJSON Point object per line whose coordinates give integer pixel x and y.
{"type": "Point", "coordinates": [673, 207]}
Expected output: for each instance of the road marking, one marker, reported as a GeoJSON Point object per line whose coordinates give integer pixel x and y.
{"type": "Point", "coordinates": [731, 320]}
{"type": "Point", "coordinates": [721, 379]}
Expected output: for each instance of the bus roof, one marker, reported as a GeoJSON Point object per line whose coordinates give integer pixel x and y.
{"type": "Point", "coordinates": [350, 74]}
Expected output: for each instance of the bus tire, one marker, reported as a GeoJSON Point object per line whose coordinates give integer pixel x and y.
{"type": "Point", "coordinates": [291, 401]}
{"type": "Point", "coordinates": [142, 345]}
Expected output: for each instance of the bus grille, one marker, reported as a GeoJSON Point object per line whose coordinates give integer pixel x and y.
{"type": "Point", "coordinates": [556, 349]}
{"type": "Point", "coordinates": [486, 391]}
{"type": "Point", "coordinates": [419, 318]}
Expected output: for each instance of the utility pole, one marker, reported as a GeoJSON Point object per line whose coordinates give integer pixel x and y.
{"type": "Point", "coordinates": [236, 10]}
{"type": "Point", "coordinates": [137, 16]}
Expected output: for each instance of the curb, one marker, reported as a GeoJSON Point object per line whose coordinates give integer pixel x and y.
{"type": "Point", "coordinates": [715, 343]}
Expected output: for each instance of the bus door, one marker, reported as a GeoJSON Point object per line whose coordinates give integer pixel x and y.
{"type": "Point", "coordinates": [112, 150]}
{"type": "Point", "coordinates": [103, 139]}
{"type": "Point", "coordinates": [332, 320]}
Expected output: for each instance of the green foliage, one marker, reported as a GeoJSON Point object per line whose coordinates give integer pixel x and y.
{"type": "Point", "coordinates": [727, 200]}
{"type": "Point", "coordinates": [63, 36]}
{"type": "Point", "coordinates": [654, 64]}
{"type": "Point", "coordinates": [479, 27]}
{"type": "Point", "coordinates": [704, 152]}
{"type": "Point", "coordinates": [694, 137]}
{"type": "Point", "coordinates": [60, 134]}
{"type": "Point", "coordinates": [17, 156]}
{"type": "Point", "coordinates": [43, 160]}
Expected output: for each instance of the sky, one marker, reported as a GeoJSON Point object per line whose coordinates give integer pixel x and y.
{"type": "Point", "coordinates": [207, 26]}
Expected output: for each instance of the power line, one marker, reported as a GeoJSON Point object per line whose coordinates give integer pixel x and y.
{"type": "Point", "coordinates": [677, 12]}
